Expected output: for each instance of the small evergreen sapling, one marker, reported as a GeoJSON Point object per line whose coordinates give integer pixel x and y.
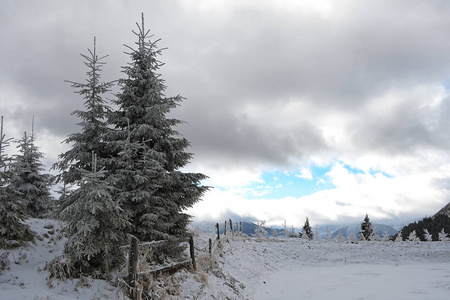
{"type": "Point", "coordinates": [385, 236]}
{"type": "Point", "coordinates": [443, 236]}
{"type": "Point", "coordinates": [427, 236]}
{"type": "Point", "coordinates": [13, 231]}
{"type": "Point", "coordinates": [340, 238]}
{"type": "Point", "coordinates": [351, 238]}
{"type": "Point", "coordinates": [28, 176]}
{"type": "Point", "coordinates": [399, 237]}
{"type": "Point", "coordinates": [413, 237]}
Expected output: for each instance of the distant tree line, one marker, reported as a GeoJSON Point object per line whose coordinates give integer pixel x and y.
{"type": "Point", "coordinates": [433, 225]}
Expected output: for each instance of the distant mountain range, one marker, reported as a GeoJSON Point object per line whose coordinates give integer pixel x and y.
{"type": "Point", "coordinates": [249, 229]}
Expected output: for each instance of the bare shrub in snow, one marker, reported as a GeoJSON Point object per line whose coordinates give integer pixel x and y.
{"type": "Point", "coordinates": [260, 231]}
{"type": "Point", "coordinates": [4, 261]}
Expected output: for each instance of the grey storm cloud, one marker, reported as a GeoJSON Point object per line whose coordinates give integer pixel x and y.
{"type": "Point", "coordinates": [224, 58]}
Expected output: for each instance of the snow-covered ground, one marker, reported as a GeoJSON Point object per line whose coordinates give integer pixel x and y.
{"type": "Point", "coordinates": [247, 268]}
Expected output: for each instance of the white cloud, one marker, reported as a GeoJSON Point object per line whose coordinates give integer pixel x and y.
{"type": "Point", "coordinates": [305, 173]}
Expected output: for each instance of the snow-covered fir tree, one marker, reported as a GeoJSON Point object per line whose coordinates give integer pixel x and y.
{"type": "Point", "coordinates": [95, 225]}
{"type": "Point", "coordinates": [362, 237]}
{"type": "Point", "coordinates": [427, 236]}
{"type": "Point", "coordinates": [152, 189]}
{"type": "Point", "coordinates": [367, 228]}
{"type": "Point", "coordinates": [443, 236]}
{"type": "Point", "coordinates": [374, 236]}
{"type": "Point", "coordinates": [307, 231]}
{"type": "Point", "coordinates": [413, 237]}
{"type": "Point", "coordinates": [340, 238]}
{"type": "Point", "coordinates": [93, 124]}
{"type": "Point", "coordinates": [260, 231]}
{"type": "Point", "coordinates": [399, 237]}
{"type": "Point", "coordinates": [316, 233]}
{"type": "Point", "coordinates": [385, 236]}
{"type": "Point", "coordinates": [328, 238]}
{"type": "Point", "coordinates": [274, 232]}
{"type": "Point", "coordinates": [13, 231]}
{"type": "Point", "coordinates": [29, 178]}
{"type": "Point", "coordinates": [351, 237]}
{"type": "Point", "coordinates": [285, 231]}
{"type": "Point", "coordinates": [292, 233]}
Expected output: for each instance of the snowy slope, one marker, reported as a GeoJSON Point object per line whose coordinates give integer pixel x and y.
{"type": "Point", "coordinates": [246, 268]}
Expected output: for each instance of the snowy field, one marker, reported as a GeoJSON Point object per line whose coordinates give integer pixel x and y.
{"type": "Point", "coordinates": [247, 268]}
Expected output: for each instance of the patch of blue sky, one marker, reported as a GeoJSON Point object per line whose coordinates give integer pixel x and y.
{"type": "Point", "coordinates": [277, 184]}
{"type": "Point", "coordinates": [372, 172]}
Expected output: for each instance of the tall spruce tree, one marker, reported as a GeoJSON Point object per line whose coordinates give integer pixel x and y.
{"type": "Point", "coordinates": [95, 225]}
{"type": "Point", "coordinates": [367, 228]}
{"type": "Point", "coordinates": [13, 231]}
{"type": "Point", "coordinates": [74, 162]}
{"type": "Point", "coordinates": [151, 188]}
{"type": "Point", "coordinates": [28, 177]}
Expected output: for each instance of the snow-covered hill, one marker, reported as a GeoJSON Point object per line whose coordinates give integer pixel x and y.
{"type": "Point", "coordinates": [240, 267]}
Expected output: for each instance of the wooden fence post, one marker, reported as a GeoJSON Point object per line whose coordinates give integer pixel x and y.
{"type": "Point", "coordinates": [132, 267]}
{"type": "Point", "coordinates": [225, 229]}
{"type": "Point", "coordinates": [191, 246]}
{"type": "Point", "coordinates": [218, 231]}
{"type": "Point", "coordinates": [231, 227]}
{"type": "Point", "coordinates": [210, 247]}
{"type": "Point", "coordinates": [240, 225]}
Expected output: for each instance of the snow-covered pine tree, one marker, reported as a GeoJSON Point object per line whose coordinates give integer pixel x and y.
{"type": "Point", "coordinates": [13, 231]}
{"type": "Point", "coordinates": [328, 234]}
{"type": "Point", "coordinates": [74, 163]}
{"type": "Point", "coordinates": [367, 228]}
{"type": "Point", "coordinates": [285, 231]}
{"type": "Point", "coordinates": [151, 188]}
{"type": "Point", "coordinates": [28, 176]}
{"type": "Point", "coordinates": [307, 231]}
{"type": "Point", "coordinates": [399, 237]}
{"type": "Point", "coordinates": [443, 236]}
{"type": "Point", "coordinates": [427, 236]}
{"type": "Point", "coordinates": [95, 225]}
{"type": "Point", "coordinates": [351, 237]}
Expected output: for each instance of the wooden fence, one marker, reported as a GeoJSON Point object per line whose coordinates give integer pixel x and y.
{"type": "Point", "coordinates": [134, 252]}
{"type": "Point", "coordinates": [237, 230]}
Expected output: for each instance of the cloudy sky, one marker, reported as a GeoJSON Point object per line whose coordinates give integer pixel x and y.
{"type": "Point", "coordinates": [294, 109]}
